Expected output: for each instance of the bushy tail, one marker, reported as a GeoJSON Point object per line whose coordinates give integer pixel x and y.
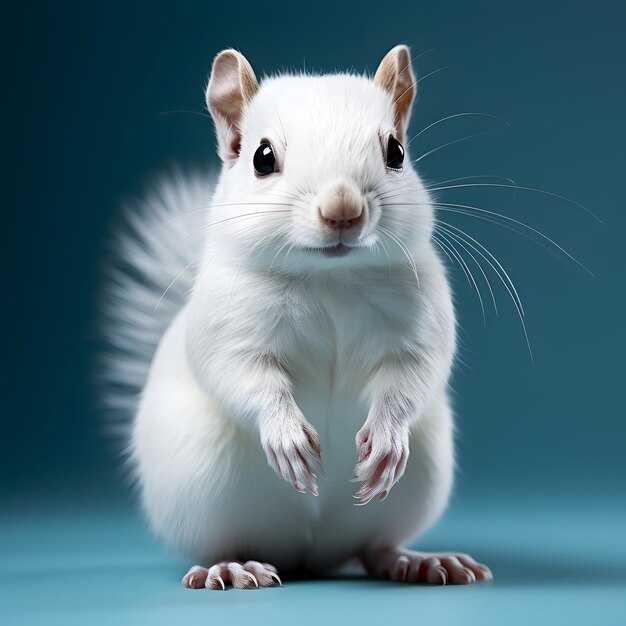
{"type": "Point", "coordinates": [154, 254]}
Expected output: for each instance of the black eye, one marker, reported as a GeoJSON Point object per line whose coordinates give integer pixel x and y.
{"type": "Point", "coordinates": [265, 160]}
{"type": "Point", "coordinates": [395, 154]}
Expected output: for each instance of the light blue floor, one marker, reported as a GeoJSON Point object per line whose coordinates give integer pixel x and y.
{"type": "Point", "coordinates": [554, 562]}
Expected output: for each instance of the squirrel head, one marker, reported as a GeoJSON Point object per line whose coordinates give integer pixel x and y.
{"type": "Point", "coordinates": [317, 166]}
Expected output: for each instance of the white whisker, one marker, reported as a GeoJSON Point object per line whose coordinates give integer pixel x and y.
{"type": "Point", "coordinates": [208, 207]}
{"type": "Point", "coordinates": [485, 277]}
{"type": "Point", "coordinates": [521, 188]}
{"type": "Point", "coordinates": [494, 217]}
{"type": "Point", "coordinates": [464, 209]}
{"type": "Point", "coordinates": [449, 117]}
{"type": "Point", "coordinates": [468, 271]}
{"type": "Point", "coordinates": [406, 252]}
{"type": "Point", "coordinates": [510, 289]}
{"type": "Point", "coordinates": [451, 143]}
{"type": "Point", "coordinates": [454, 180]}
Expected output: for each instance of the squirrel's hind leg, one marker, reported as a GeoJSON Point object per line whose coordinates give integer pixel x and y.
{"type": "Point", "coordinates": [248, 575]}
{"type": "Point", "coordinates": [434, 568]}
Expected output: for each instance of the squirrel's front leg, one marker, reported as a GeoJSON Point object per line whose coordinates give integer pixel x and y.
{"type": "Point", "coordinates": [399, 392]}
{"type": "Point", "coordinates": [291, 444]}
{"type": "Point", "coordinates": [256, 391]}
{"type": "Point", "coordinates": [382, 446]}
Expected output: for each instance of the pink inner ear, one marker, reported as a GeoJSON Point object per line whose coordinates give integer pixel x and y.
{"type": "Point", "coordinates": [395, 76]}
{"type": "Point", "coordinates": [235, 143]}
{"type": "Point", "coordinates": [232, 84]}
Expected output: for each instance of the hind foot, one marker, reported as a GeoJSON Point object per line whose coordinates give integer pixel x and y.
{"type": "Point", "coordinates": [249, 575]}
{"type": "Point", "coordinates": [434, 568]}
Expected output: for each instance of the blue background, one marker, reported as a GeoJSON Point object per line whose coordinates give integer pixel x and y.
{"type": "Point", "coordinates": [540, 493]}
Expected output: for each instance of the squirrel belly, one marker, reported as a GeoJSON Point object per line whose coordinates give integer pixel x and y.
{"type": "Point", "coordinates": [206, 485]}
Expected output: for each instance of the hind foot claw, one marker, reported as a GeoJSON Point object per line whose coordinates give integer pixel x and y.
{"type": "Point", "coordinates": [249, 575]}
{"type": "Point", "coordinates": [434, 568]}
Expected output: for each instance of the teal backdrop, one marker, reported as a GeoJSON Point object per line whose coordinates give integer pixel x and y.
{"type": "Point", "coordinates": [89, 94]}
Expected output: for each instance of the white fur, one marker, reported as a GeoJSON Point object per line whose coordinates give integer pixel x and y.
{"type": "Point", "coordinates": [150, 275]}
{"type": "Point", "coordinates": [279, 342]}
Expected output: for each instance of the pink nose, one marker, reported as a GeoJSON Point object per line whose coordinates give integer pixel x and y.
{"type": "Point", "coordinates": [342, 222]}
{"type": "Point", "coordinates": [341, 205]}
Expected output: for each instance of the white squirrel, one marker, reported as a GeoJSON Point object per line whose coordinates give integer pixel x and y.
{"type": "Point", "coordinates": [319, 312]}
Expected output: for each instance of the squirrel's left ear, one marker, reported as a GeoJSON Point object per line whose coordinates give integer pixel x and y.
{"type": "Point", "coordinates": [232, 85]}
{"type": "Point", "coordinates": [395, 76]}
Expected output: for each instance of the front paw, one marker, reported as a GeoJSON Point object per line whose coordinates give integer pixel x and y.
{"type": "Point", "coordinates": [292, 447]}
{"type": "Point", "coordinates": [383, 450]}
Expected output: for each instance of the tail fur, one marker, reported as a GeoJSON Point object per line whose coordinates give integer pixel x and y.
{"type": "Point", "coordinates": [154, 254]}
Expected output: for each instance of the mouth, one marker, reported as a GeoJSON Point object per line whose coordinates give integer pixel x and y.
{"type": "Point", "coordinates": [331, 252]}
{"type": "Point", "coordinates": [335, 251]}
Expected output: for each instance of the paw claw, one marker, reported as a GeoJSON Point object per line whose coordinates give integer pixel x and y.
{"type": "Point", "coordinates": [382, 452]}
{"type": "Point", "coordinates": [292, 448]}
{"type": "Point", "coordinates": [248, 576]}
{"type": "Point", "coordinates": [253, 577]}
{"type": "Point", "coordinates": [486, 572]}
{"type": "Point", "coordinates": [441, 576]}
{"type": "Point", "coordinates": [195, 577]}
{"type": "Point", "coordinates": [419, 567]}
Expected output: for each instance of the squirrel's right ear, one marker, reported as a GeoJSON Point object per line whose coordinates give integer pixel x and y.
{"type": "Point", "coordinates": [232, 85]}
